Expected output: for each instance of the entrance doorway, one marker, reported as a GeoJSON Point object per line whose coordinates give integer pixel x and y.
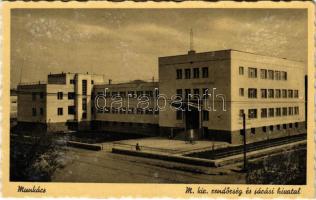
{"type": "Point", "coordinates": [192, 119]}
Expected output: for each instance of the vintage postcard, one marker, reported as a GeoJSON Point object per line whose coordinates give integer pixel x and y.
{"type": "Point", "coordinates": [181, 100]}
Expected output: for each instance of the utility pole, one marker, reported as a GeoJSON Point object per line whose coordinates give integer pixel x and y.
{"type": "Point", "coordinates": [245, 142]}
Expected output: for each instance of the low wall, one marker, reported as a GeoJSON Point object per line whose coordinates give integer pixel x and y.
{"type": "Point", "coordinates": [81, 145]}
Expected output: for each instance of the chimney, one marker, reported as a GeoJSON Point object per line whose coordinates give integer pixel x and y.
{"type": "Point", "coordinates": [110, 81]}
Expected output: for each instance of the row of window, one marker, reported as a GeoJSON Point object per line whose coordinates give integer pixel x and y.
{"type": "Point", "coordinates": [195, 92]}
{"type": "Point", "coordinates": [192, 73]}
{"type": "Point", "coordinates": [271, 128]}
{"type": "Point", "coordinates": [132, 94]}
{"type": "Point", "coordinates": [264, 73]}
{"type": "Point", "coordinates": [271, 112]}
{"type": "Point", "coordinates": [270, 93]}
{"type": "Point", "coordinates": [124, 110]}
{"type": "Point", "coordinates": [72, 81]}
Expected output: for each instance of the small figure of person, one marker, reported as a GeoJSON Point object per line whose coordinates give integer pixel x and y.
{"type": "Point", "coordinates": [137, 147]}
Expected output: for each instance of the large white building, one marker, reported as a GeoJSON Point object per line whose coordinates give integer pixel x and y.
{"type": "Point", "coordinates": [269, 90]}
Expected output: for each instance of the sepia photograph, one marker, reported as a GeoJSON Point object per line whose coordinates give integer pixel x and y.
{"type": "Point", "coordinates": [160, 96]}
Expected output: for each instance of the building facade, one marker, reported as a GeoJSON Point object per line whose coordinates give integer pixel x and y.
{"type": "Point", "coordinates": [64, 102]}
{"type": "Point", "coordinates": [198, 94]}
{"type": "Point", "coordinates": [269, 90]}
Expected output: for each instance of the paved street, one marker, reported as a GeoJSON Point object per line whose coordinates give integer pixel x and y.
{"type": "Point", "coordinates": [103, 166]}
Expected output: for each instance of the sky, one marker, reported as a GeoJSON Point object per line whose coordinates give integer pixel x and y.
{"type": "Point", "coordinates": [124, 44]}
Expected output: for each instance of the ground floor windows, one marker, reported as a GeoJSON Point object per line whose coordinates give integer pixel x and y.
{"type": "Point", "coordinates": [253, 130]}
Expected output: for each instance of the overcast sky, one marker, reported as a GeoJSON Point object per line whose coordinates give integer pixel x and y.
{"type": "Point", "coordinates": [125, 44]}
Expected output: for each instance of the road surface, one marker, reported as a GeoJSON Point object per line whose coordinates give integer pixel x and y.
{"type": "Point", "coordinates": [105, 167]}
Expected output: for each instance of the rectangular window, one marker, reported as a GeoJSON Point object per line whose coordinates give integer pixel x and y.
{"type": "Point", "coordinates": [71, 110]}
{"type": "Point", "coordinates": [263, 112]}
{"type": "Point", "coordinates": [252, 72]}
{"type": "Point", "coordinates": [296, 110]}
{"type": "Point", "coordinates": [271, 128]}
{"type": "Point", "coordinates": [253, 131]}
{"type": "Point", "coordinates": [196, 72]}
{"type": "Point", "coordinates": [284, 93]}
{"type": "Point", "coordinates": [296, 125]}
{"type": "Point", "coordinates": [71, 95]}
{"type": "Point", "coordinates": [290, 125]}
{"type": "Point", "coordinates": [60, 95]}
{"type": "Point", "coordinates": [84, 87]}
{"type": "Point", "coordinates": [41, 111]}
{"type": "Point", "coordinates": [72, 81]}
{"type": "Point", "coordinates": [263, 74]}
{"type": "Point", "coordinates": [59, 111]}
{"type": "Point", "coordinates": [284, 126]}
{"type": "Point", "coordinates": [33, 96]}
{"type": "Point", "coordinates": [187, 73]}
{"type": "Point", "coordinates": [179, 73]}
{"type": "Point", "coordinates": [264, 129]}
{"type": "Point", "coordinates": [278, 112]}
{"type": "Point", "coordinates": [290, 93]}
{"type": "Point", "coordinates": [41, 95]}
{"type": "Point", "coordinates": [205, 115]}
{"type": "Point", "coordinates": [284, 76]}
{"type": "Point", "coordinates": [263, 93]}
{"type": "Point", "coordinates": [270, 93]}
{"type": "Point", "coordinates": [252, 93]}
{"type": "Point", "coordinates": [277, 93]}
{"type": "Point", "coordinates": [92, 82]}
{"type": "Point", "coordinates": [205, 72]}
{"type": "Point", "coordinates": [33, 112]}
{"type": "Point", "coordinates": [271, 112]}
{"type": "Point", "coordinates": [295, 93]}
{"type": "Point", "coordinates": [270, 74]}
{"type": "Point", "coordinates": [252, 113]}
{"type": "Point", "coordinates": [277, 75]}
{"type": "Point", "coordinates": [84, 104]}
{"type": "Point", "coordinates": [241, 70]}
{"type": "Point", "coordinates": [179, 114]}
{"type": "Point", "coordinates": [291, 112]}
{"type": "Point", "coordinates": [284, 111]}
{"type": "Point", "coordinates": [241, 92]}
{"type": "Point", "coordinates": [278, 127]}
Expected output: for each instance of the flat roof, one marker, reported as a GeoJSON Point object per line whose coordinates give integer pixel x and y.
{"type": "Point", "coordinates": [228, 50]}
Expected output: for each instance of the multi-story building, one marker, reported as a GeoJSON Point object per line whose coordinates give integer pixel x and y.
{"type": "Point", "coordinates": [200, 94]}
{"type": "Point", "coordinates": [63, 102]}
{"type": "Point", "coordinates": [269, 90]}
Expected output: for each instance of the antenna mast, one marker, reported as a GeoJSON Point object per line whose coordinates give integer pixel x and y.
{"type": "Point", "coordinates": [191, 40]}
{"type": "Point", "coordinates": [191, 50]}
